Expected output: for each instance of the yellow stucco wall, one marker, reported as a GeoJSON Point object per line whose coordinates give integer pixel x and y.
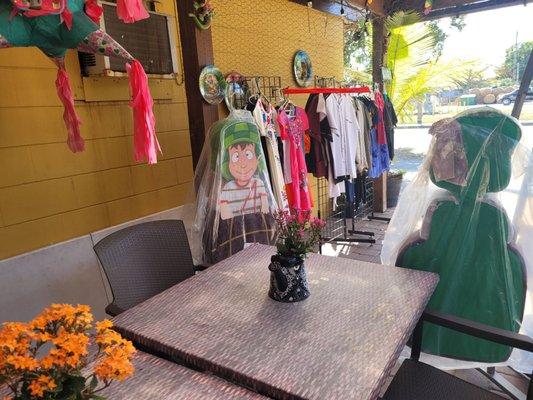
{"type": "Point", "coordinates": [261, 38]}
{"type": "Point", "coordinates": [48, 194]}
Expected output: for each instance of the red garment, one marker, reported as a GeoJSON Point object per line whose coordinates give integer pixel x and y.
{"type": "Point", "coordinates": [380, 104]}
{"type": "Point", "coordinates": [307, 142]}
{"type": "Point", "coordinates": [292, 130]}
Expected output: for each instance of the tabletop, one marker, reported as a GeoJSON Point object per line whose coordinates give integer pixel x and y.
{"type": "Point", "coordinates": [155, 378]}
{"type": "Point", "coordinates": [340, 343]}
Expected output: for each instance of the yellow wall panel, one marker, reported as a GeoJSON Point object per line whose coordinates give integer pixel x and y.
{"type": "Point", "coordinates": [15, 239]}
{"type": "Point", "coordinates": [175, 144]}
{"type": "Point", "coordinates": [78, 222]}
{"type": "Point", "coordinates": [145, 179]}
{"type": "Point", "coordinates": [107, 88]}
{"type": "Point", "coordinates": [19, 57]}
{"type": "Point", "coordinates": [15, 166]}
{"type": "Point", "coordinates": [172, 196]}
{"type": "Point", "coordinates": [116, 183]}
{"type": "Point", "coordinates": [185, 170]}
{"type": "Point", "coordinates": [28, 87]}
{"type": "Point", "coordinates": [171, 116]}
{"type": "Point", "coordinates": [23, 125]}
{"type": "Point", "coordinates": [36, 200]}
{"type": "Point", "coordinates": [88, 189]}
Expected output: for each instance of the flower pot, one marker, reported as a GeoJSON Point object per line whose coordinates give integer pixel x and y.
{"type": "Point", "coordinates": [288, 279]}
{"type": "Point", "coordinates": [394, 184]}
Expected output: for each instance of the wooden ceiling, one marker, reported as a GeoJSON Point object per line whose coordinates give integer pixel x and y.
{"type": "Point", "coordinates": [449, 8]}
{"type": "Point", "coordinates": [352, 8]}
{"type": "Point", "coordinates": [441, 8]}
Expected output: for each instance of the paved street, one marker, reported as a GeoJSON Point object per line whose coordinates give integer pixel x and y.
{"type": "Point", "coordinates": [412, 145]}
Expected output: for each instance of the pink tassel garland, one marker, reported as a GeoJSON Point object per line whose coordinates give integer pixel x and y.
{"type": "Point", "coordinates": [72, 121]}
{"type": "Point", "coordinates": [131, 11]}
{"type": "Point", "coordinates": [145, 141]}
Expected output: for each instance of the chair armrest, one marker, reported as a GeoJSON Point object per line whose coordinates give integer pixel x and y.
{"type": "Point", "coordinates": [201, 267]}
{"type": "Point", "coordinates": [113, 310]}
{"type": "Point", "coordinates": [472, 328]}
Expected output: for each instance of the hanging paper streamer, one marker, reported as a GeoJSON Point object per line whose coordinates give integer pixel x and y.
{"type": "Point", "coordinates": [75, 142]}
{"type": "Point", "coordinates": [131, 11]}
{"type": "Point", "coordinates": [144, 138]}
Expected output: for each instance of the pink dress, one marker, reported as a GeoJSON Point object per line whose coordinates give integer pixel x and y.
{"type": "Point", "coordinates": [292, 131]}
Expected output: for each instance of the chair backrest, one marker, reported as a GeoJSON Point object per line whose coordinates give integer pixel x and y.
{"type": "Point", "coordinates": [143, 260]}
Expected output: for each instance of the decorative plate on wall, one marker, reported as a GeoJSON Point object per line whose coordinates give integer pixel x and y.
{"type": "Point", "coordinates": [303, 69]}
{"type": "Point", "coordinates": [212, 84]}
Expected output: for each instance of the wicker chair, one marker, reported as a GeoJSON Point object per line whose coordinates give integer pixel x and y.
{"type": "Point", "coordinates": [418, 381]}
{"type": "Point", "coordinates": [143, 260]}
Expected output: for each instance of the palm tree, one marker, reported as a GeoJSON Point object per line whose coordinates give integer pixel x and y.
{"type": "Point", "coordinates": [411, 59]}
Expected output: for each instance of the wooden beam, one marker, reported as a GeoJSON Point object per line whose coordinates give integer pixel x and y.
{"type": "Point", "coordinates": [197, 50]}
{"type": "Point", "coordinates": [470, 8]}
{"type": "Point", "coordinates": [524, 88]}
{"type": "Point", "coordinates": [377, 7]}
{"type": "Point", "coordinates": [449, 8]}
{"type": "Point", "coordinates": [378, 58]}
{"type": "Point", "coordinates": [352, 8]}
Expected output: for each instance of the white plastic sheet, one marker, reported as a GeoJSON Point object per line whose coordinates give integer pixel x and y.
{"type": "Point", "coordinates": [234, 202]}
{"type": "Point", "coordinates": [442, 223]}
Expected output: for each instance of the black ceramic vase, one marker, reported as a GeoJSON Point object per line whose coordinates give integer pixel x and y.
{"type": "Point", "coordinates": [288, 280]}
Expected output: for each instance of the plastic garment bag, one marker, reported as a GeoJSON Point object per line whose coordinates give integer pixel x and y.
{"type": "Point", "coordinates": [235, 202]}
{"type": "Point", "coordinates": [468, 216]}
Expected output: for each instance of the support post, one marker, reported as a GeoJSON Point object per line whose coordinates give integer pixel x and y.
{"type": "Point", "coordinates": [197, 50]}
{"type": "Point", "coordinates": [524, 88]}
{"type": "Point", "coordinates": [378, 51]}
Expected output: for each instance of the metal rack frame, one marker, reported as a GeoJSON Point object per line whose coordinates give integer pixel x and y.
{"type": "Point", "coordinates": [268, 86]}
{"type": "Point", "coordinates": [336, 229]}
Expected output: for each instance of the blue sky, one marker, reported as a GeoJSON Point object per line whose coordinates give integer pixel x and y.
{"type": "Point", "coordinates": [487, 34]}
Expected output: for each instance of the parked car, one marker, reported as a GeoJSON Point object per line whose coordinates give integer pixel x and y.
{"type": "Point", "coordinates": [509, 98]}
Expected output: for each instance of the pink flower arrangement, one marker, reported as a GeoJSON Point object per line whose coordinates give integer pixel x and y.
{"type": "Point", "coordinates": [298, 232]}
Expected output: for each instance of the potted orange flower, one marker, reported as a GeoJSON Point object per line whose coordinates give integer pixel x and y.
{"type": "Point", "coordinates": [48, 358]}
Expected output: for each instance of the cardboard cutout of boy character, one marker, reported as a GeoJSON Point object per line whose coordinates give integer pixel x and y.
{"type": "Point", "coordinates": [245, 193]}
{"type": "Point", "coordinates": [245, 201]}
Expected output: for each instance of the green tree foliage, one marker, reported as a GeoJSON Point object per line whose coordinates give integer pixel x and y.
{"type": "Point", "coordinates": [513, 55]}
{"type": "Point", "coordinates": [358, 45]}
{"type": "Point", "coordinates": [415, 67]}
{"type": "Point", "coordinates": [471, 77]}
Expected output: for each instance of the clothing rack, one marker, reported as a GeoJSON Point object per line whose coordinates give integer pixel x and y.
{"type": "Point", "coordinates": [336, 217]}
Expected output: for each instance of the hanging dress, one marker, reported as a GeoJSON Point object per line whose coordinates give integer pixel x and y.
{"type": "Point", "coordinates": [292, 130]}
{"type": "Point", "coordinates": [266, 120]}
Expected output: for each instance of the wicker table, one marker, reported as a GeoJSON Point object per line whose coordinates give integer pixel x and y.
{"type": "Point", "coordinates": [155, 378]}
{"type": "Point", "coordinates": [340, 343]}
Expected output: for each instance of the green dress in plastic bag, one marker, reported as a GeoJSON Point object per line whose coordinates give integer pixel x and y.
{"type": "Point", "coordinates": [467, 237]}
